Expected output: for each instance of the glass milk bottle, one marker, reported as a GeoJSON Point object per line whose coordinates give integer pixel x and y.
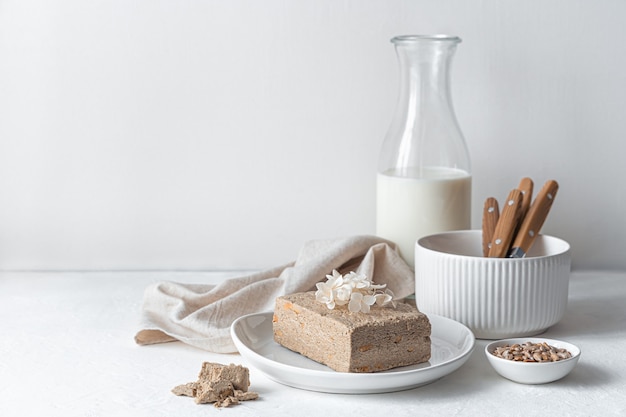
{"type": "Point", "coordinates": [424, 179]}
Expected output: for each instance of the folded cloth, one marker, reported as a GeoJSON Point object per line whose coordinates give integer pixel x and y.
{"type": "Point", "coordinates": [201, 314]}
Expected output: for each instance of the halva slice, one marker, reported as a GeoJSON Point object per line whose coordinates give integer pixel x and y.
{"type": "Point", "coordinates": [381, 339]}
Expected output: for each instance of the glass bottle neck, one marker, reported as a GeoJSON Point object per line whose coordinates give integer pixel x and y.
{"type": "Point", "coordinates": [424, 134]}
{"type": "Point", "coordinates": [425, 70]}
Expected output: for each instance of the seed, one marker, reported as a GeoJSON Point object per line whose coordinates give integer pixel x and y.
{"type": "Point", "coordinates": [532, 352]}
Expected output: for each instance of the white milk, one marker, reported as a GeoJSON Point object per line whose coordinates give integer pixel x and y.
{"type": "Point", "coordinates": [409, 208]}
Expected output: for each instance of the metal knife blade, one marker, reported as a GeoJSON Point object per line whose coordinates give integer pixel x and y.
{"type": "Point", "coordinates": [532, 223]}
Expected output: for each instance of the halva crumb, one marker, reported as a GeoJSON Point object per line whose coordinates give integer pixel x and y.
{"type": "Point", "coordinates": [222, 385]}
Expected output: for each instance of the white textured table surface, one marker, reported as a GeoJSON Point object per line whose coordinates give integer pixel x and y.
{"type": "Point", "coordinates": [67, 349]}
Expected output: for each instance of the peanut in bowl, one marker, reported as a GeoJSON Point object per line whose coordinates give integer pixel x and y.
{"type": "Point", "coordinates": [542, 360]}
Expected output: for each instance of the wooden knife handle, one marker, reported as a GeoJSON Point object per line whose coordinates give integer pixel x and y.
{"type": "Point", "coordinates": [536, 216]}
{"type": "Point", "coordinates": [526, 187]}
{"type": "Point", "coordinates": [491, 214]}
{"type": "Point", "coordinates": [503, 235]}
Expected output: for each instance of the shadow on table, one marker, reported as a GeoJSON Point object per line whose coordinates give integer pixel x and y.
{"type": "Point", "coordinates": [466, 383]}
{"type": "Point", "coordinates": [596, 315]}
{"type": "Point", "coordinates": [585, 374]}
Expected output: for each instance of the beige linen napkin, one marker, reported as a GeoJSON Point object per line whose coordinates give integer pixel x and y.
{"type": "Point", "coordinates": [201, 314]}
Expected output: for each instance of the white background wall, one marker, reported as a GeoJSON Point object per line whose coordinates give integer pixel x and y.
{"type": "Point", "coordinates": [196, 134]}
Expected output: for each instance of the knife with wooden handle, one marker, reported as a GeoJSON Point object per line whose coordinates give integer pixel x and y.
{"type": "Point", "coordinates": [526, 187]}
{"type": "Point", "coordinates": [491, 214]}
{"type": "Point", "coordinates": [507, 223]}
{"type": "Point", "coordinates": [536, 216]}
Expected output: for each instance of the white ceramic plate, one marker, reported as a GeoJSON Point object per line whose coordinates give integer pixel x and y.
{"type": "Point", "coordinates": [452, 344]}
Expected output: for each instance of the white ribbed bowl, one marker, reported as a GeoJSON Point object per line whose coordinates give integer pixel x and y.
{"type": "Point", "coordinates": [495, 297]}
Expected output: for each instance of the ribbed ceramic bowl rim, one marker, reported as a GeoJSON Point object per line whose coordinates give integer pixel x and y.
{"type": "Point", "coordinates": [566, 248]}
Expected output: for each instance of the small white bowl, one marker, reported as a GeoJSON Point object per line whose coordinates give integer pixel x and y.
{"type": "Point", "coordinates": [496, 298]}
{"type": "Point", "coordinates": [532, 372]}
